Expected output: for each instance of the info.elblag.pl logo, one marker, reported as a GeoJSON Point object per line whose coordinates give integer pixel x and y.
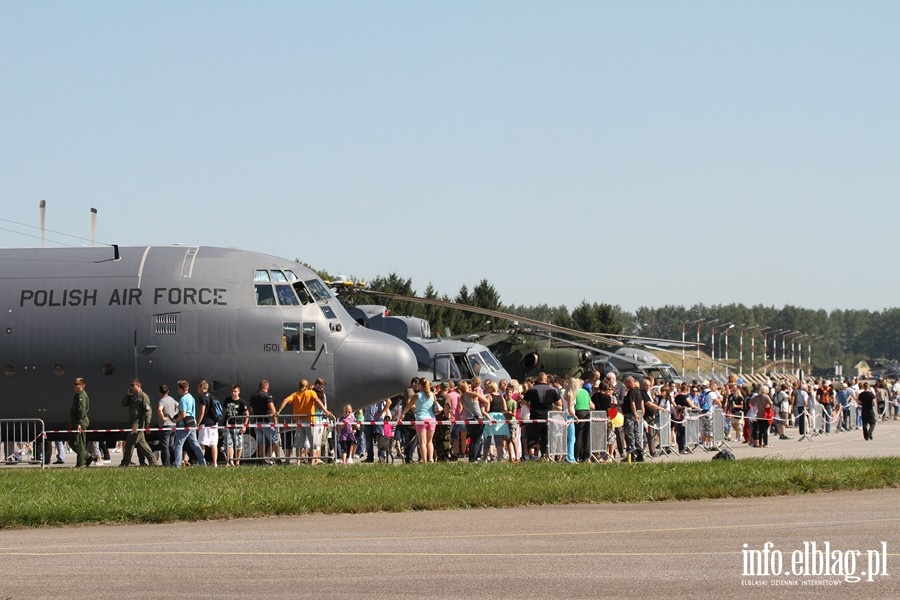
{"type": "Point", "coordinates": [812, 564]}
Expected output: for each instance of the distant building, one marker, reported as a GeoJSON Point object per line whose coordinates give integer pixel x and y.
{"type": "Point", "coordinates": [862, 369]}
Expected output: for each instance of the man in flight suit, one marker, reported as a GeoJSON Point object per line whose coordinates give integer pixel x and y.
{"type": "Point", "coordinates": [78, 417]}
{"type": "Point", "coordinates": [139, 412]}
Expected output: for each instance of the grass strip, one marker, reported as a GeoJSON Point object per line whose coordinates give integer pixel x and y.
{"type": "Point", "coordinates": [64, 497]}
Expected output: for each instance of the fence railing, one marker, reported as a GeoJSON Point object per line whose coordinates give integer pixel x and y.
{"type": "Point", "coordinates": [22, 441]}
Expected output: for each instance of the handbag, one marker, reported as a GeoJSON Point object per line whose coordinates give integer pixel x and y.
{"type": "Point", "coordinates": [189, 421]}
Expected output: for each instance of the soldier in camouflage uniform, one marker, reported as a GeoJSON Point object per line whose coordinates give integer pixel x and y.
{"type": "Point", "coordinates": [78, 417]}
{"type": "Point", "coordinates": [443, 447]}
{"type": "Point", "coordinates": [139, 412]}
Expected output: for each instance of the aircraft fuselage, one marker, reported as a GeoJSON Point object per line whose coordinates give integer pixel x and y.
{"type": "Point", "coordinates": [177, 312]}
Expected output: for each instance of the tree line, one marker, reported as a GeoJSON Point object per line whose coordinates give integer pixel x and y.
{"type": "Point", "coordinates": [844, 337]}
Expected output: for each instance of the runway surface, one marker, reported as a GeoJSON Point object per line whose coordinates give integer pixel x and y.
{"type": "Point", "coordinates": [671, 550]}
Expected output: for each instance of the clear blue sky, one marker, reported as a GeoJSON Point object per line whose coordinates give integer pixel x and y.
{"type": "Point", "coordinates": [634, 153]}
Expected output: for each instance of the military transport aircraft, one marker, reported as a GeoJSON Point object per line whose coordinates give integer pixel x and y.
{"type": "Point", "coordinates": [164, 313]}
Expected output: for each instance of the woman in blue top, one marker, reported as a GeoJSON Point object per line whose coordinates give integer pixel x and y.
{"type": "Point", "coordinates": [495, 433]}
{"type": "Point", "coordinates": [425, 406]}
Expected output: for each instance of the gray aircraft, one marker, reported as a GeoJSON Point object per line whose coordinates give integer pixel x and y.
{"type": "Point", "coordinates": [438, 359]}
{"type": "Point", "coordinates": [518, 356]}
{"type": "Point", "coordinates": [164, 313]}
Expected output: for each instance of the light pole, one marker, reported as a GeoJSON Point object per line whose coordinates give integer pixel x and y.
{"type": "Point", "coordinates": [684, 341]}
{"type": "Point", "coordinates": [730, 326]}
{"type": "Point", "coordinates": [683, 344]}
{"type": "Point", "coordinates": [726, 327]}
{"type": "Point", "coordinates": [799, 344]}
{"type": "Point", "coordinates": [712, 345]}
{"type": "Point", "coordinates": [753, 349]}
{"type": "Point", "coordinates": [774, 347]}
{"type": "Point", "coordinates": [754, 327]}
{"type": "Point", "coordinates": [784, 337]}
{"type": "Point", "coordinates": [700, 323]}
{"type": "Point", "coordinates": [809, 352]}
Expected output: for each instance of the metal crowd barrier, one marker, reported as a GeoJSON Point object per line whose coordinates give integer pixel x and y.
{"type": "Point", "coordinates": [290, 432]}
{"type": "Point", "coordinates": [853, 411]}
{"type": "Point", "coordinates": [22, 442]}
{"type": "Point", "coordinates": [556, 434]}
{"type": "Point", "coordinates": [664, 418]}
{"type": "Point", "coordinates": [691, 429]}
{"type": "Point", "coordinates": [598, 433]}
{"type": "Point", "coordinates": [718, 427]}
{"type": "Point", "coordinates": [818, 418]}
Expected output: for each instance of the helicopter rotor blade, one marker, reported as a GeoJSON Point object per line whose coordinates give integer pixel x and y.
{"type": "Point", "coordinates": [603, 338]}
{"type": "Point", "coordinates": [609, 339]}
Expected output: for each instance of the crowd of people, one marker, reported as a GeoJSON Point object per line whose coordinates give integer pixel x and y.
{"type": "Point", "coordinates": [478, 421]}
{"type": "Point", "coordinates": [493, 421]}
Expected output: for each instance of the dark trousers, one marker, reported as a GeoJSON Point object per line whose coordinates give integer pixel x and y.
{"type": "Point", "coordinates": [582, 435]}
{"type": "Point", "coordinates": [537, 437]}
{"type": "Point", "coordinates": [136, 439]}
{"type": "Point", "coordinates": [651, 435]}
{"type": "Point", "coordinates": [761, 432]}
{"type": "Point", "coordinates": [167, 447]}
{"type": "Point", "coordinates": [368, 433]}
{"type": "Point", "coordinates": [801, 422]}
{"type": "Point", "coordinates": [79, 446]}
{"type": "Point", "coordinates": [409, 440]}
{"type": "Point", "coordinates": [868, 424]}
{"type": "Point", "coordinates": [476, 442]}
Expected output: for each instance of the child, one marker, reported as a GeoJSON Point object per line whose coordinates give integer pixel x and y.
{"type": "Point", "coordinates": [386, 443]}
{"type": "Point", "coordinates": [348, 435]}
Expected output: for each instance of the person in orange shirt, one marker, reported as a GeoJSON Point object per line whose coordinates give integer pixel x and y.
{"type": "Point", "coordinates": [303, 405]}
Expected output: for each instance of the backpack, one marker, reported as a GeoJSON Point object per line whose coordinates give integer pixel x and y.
{"type": "Point", "coordinates": [215, 409]}
{"type": "Point", "coordinates": [724, 454]}
{"type": "Point", "coordinates": [704, 402]}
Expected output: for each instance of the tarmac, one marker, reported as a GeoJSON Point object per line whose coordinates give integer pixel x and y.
{"type": "Point", "coordinates": [707, 548]}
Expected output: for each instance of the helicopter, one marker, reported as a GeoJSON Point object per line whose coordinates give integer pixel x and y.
{"type": "Point", "coordinates": [438, 359]}
{"type": "Point", "coordinates": [525, 353]}
{"type": "Point", "coordinates": [528, 347]}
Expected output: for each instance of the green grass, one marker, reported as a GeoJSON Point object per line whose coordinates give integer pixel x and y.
{"type": "Point", "coordinates": [56, 497]}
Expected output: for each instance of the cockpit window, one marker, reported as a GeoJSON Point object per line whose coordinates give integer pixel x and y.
{"type": "Point", "coordinates": [445, 368]}
{"type": "Point", "coordinates": [329, 314]}
{"type": "Point", "coordinates": [463, 366]}
{"type": "Point", "coordinates": [291, 337]}
{"type": "Point", "coordinates": [278, 276]}
{"type": "Point", "coordinates": [302, 293]}
{"type": "Point", "coordinates": [309, 337]}
{"type": "Point", "coordinates": [318, 289]}
{"type": "Point", "coordinates": [291, 276]}
{"type": "Point", "coordinates": [261, 275]}
{"type": "Point", "coordinates": [484, 363]}
{"type": "Point", "coordinates": [286, 295]}
{"type": "Point", "coordinates": [488, 357]}
{"type": "Point", "coordinates": [265, 296]}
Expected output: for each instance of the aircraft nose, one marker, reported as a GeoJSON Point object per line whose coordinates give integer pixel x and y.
{"type": "Point", "coordinates": [371, 366]}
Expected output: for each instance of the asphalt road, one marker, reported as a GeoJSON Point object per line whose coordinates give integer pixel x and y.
{"type": "Point", "coordinates": [671, 550]}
